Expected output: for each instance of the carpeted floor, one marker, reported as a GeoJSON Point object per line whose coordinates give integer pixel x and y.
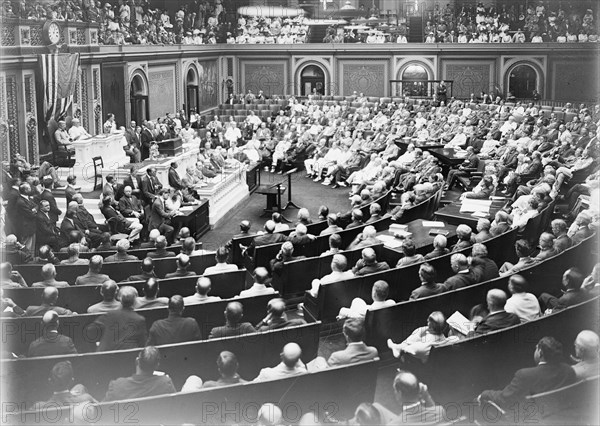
{"type": "Point", "coordinates": [305, 193]}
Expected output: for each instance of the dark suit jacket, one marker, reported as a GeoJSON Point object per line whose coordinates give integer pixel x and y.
{"type": "Point", "coordinates": [46, 229]}
{"type": "Point", "coordinates": [120, 329]}
{"type": "Point", "coordinates": [69, 192]}
{"type": "Point", "coordinates": [85, 219]}
{"type": "Point", "coordinates": [459, 281]}
{"type": "Point", "coordinates": [139, 386]}
{"type": "Point", "coordinates": [562, 243]}
{"type": "Point", "coordinates": [427, 290]}
{"type": "Point", "coordinates": [581, 234]}
{"type": "Point", "coordinates": [484, 269]}
{"type": "Point", "coordinates": [149, 186]}
{"type": "Point", "coordinates": [354, 352]}
{"type": "Point", "coordinates": [128, 181]}
{"type": "Point", "coordinates": [158, 215]}
{"type": "Point", "coordinates": [279, 323]}
{"type": "Point", "coordinates": [497, 321]}
{"type": "Point", "coordinates": [160, 253]}
{"type": "Point", "coordinates": [174, 179]}
{"type": "Point", "coordinates": [109, 212]}
{"type": "Point", "coordinates": [227, 330]}
{"type": "Point", "coordinates": [66, 226]}
{"type": "Point", "coordinates": [530, 381]}
{"type": "Point", "coordinates": [146, 139]}
{"type": "Point", "coordinates": [55, 212]}
{"type": "Point", "coordinates": [26, 219]}
{"type": "Point", "coordinates": [55, 344]}
{"type": "Point", "coordinates": [38, 311]}
{"type": "Point", "coordinates": [174, 329]}
{"type": "Point", "coordinates": [128, 205]}
{"type": "Point", "coordinates": [265, 239]}
{"type": "Point", "coordinates": [436, 253]}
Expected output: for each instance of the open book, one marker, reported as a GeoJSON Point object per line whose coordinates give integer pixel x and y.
{"type": "Point", "coordinates": [460, 323]}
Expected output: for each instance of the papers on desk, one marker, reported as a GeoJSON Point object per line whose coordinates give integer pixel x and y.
{"type": "Point", "coordinates": [186, 209]}
{"type": "Point", "coordinates": [433, 224]}
{"type": "Point", "coordinates": [480, 214]}
{"type": "Point", "coordinates": [460, 323]}
{"type": "Point", "coordinates": [470, 205]}
{"type": "Point", "coordinates": [394, 227]}
{"type": "Point", "coordinates": [389, 241]}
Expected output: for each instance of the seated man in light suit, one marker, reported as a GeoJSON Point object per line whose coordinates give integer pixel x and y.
{"type": "Point", "coordinates": [357, 350]}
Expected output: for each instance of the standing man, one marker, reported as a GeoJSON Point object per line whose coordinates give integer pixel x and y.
{"type": "Point", "coordinates": [132, 150]}
{"type": "Point", "coordinates": [46, 230]}
{"type": "Point", "coordinates": [26, 212]}
{"type": "Point", "coordinates": [159, 218]}
{"type": "Point", "coordinates": [146, 138]}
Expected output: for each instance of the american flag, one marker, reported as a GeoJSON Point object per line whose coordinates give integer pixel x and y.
{"type": "Point", "coordinates": [59, 76]}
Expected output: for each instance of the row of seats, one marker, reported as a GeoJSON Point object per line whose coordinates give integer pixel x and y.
{"type": "Point", "coordinates": [140, 253]}
{"type": "Point", "coordinates": [79, 298]}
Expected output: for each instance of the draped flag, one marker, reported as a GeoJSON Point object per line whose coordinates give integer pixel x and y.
{"type": "Point", "coordinates": [59, 76]}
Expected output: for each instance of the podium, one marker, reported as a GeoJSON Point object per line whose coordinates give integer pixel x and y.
{"type": "Point", "coordinates": [170, 147]}
{"type": "Point", "coordinates": [273, 193]}
{"type": "Point", "coordinates": [108, 146]}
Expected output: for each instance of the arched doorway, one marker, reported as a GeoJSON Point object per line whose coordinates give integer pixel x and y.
{"type": "Point", "coordinates": [312, 77]}
{"type": "Point", "coordinates": [415, 81]}
{"type": "Point", "coordinates": [522, 81]}
{"type": "Point", "coordinates": [192, 93]}
{"type": "Point", "coordinates": [140, 109]}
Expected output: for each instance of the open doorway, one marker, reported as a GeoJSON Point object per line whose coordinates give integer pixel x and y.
{"type": "Point", "coordinates": [522, 81]}
{"type": "Point", "coordinates": [140, 109]}
{"type": "Point", "coordinates": [312, 78]}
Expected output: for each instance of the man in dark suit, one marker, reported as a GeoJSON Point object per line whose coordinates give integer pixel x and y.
{"type": "Point", "coordinates": [356, 350]}
{"type": "Point", "coordinates": [147, 269]}
{"type": "Point", "coordinates": [93, 276]}
{"type": "Point", "coordinates": [46, 229]}
{"type": "Point", "coordinates": [183, 263]}
{"type": "Point", "coordinates": [86, 222]}
{"type": "Point", "coordinates": [51, 342]}
{"type": "Point", "coordinates": [159, 218]}
{"type": "Point", "coordinates": [134, 182]}
{"type": "Point", "coordinates": [70, 189]}
{"type": "Point", "coordinates": [572, 280]}
{"type": "Point", "coordinates": [562, 240]}
{"type": "Point", "coordinates": [482, 267]}
{"type": "Point", "coordinates": [497, 318]}
{"type": "Point", "coordinates": [276, 317]}
{"type": "Point", "coordinates": [130, 206]}
{"type": "Point", "coordinates": [146, 139]}
{"type": "Point", "coordinates": [548, 374]}
{"type": "Point", "coordinates": [174, 179]}
{"type": "Point", "coordinates": [428, 285]}
{"type": "Point", "coordinates": [416, 405]}
{"type": "Point", "coordinates": [368, 264]}
{"type": "Point", "coordinates": [144, 382]}
{"type": "Point", "coordinates": [11, 195]}
{"type": "Point", "coordinates": [582, 222]}
{"type": "Point", "coordinates": [26, 212]}
{"type": "Point", "coordinates": [121, 328]}
{"type": "Point", "coordinates": [269, 237]}
{"type": "Point", "coordinates": [175, 328]}
{"type": "Point", "coordinates": [131, 226]}
{"type": "Point", "coordinates": [69, 225]}
{"type": "Point", "coordinates": [150, 186]}
{"type": "Point", "coordinates": [46, 194]}
{"type": "Point", "coordinates": [470, 164]}
{"type": "Point", "coordinates": [49, 299]}
{"type": "Point", "coordinates": [462, 277]}
{"type": "Point", "coordinates": [133, 143]}
{"type": "Point", "coordinates": [233, 323]}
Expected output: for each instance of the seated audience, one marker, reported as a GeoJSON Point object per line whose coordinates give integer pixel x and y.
{"type": "Point", "coordinates": [150, 299]}
{"type": "Point", "coordinates": [64, 391]}
{"type": "Point", "coordinates": [359, 307]}
{"type": "Point", "coordinates": [420, 342]}
{"type": "Point", "coordinates": [523, 251]}
{"type": "Point", "coordinates": [93, 276]}
{"type": "Point", "coordinates": [573, 294]}
{"type": "Point", "coordinates": [439, 247]}
{"type": "Point", "coordinates": [276, 317]}
{"type": "Point", "coordinates": [501, 224]}
{"type": "Point", "coordinates": [203, 286]}
{"type": "Point", "coordinates": [482, 266]}
{"type": "Point", "coordinates": [414, 402]}
{"type": "Point", "coordinates": [339, 264]}
{"type": "Point", "coordinates": [428, 285]}
{"type": "Point", "coordinates": [580, 229]}
{"type": "Point", "coordinates": [356, 350]}
{"type": "Point", "coordinates": [108, 291]}
{"type": "Point", "coordinates": [587, 346]}
{"type": "Point", "coordinates": [335, 245]}
{"type": "Point", "coordinates": [121, 255]}
{"type": "Point", "coordinates": [145, 382]}
{"type": "Point", "coordinates": [546, 244]}
{"type": "Point", "coordinates": [332, 225]}
{"type": "Point", "coordinates": [368, 263]}
{"type": "Point", "coordinates": [221, 266]}
{"type": "Point", "coordinates": [497, 318]}
{"type": "Point", "coordinates": [410, 254]}
{"type": "Point", "coordinates": [562, 241]}
{"type": "Point", "coordinates": [10, 278]}
{"type": "Point", "coordinates": [183, 263]}
{"type": "Point", "coordinates": [463, 275]}
{"type": "Point", "coordinates": [147, 269]}
{"type": "Point", "coordinates": [175, 328]}
{"type": "Point", "coordinates": [121, 328]}
{"type": "Point", "coordinates": [261, 279]}
{"type": "Point", "coordinates": [286, 254]}
{"type": "Point", "coordinates": [73, 252]}
{"type": "Point", "coordinates": [51, 342]}
{"type": "Point", "coordinates": [161, 249]}
{"type": "Point", "coordinates": [291, 365]}
{"type": "Point", "coordinates": [49, 299]}
{"type": "Point", "coordinates": [483, 230]}
{"type": "Point", "coordinates": [548, 374]}
{"type": "Point", "coordinates": [234, 312]}
{"type": "Point", "coordinates": [523, 304]}
{"type": "Point", "coordinates": [465, 237]}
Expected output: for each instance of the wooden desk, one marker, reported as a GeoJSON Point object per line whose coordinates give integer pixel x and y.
{"type": "Point", "coordinates": [447, 157]}
{"type": "Point", "coordinates": [404, 142]}
{"type": "Point", "coordinates": [253, 177]}
{"type": "Point", "coordinates": [451, 214]}
{"type": "Point", "coordinates": [194, 217]}
{"type": "Point", "coordinates": [420, 235]}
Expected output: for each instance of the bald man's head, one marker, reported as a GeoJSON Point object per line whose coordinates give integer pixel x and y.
{"type": "Point", "coordinates": [406, 387]}
{"type": "Point", "coordinates": [203, 286]}
{"type": "Point", "coordinates": [587, 345]}
{"type": "Point", "coordinates": [270, 226]}
{"type": "Point", "coordinates": [50, 295]}
{"type": "Point", "coordinates": [291, 354]}
{"type": "Point", "coordinates": [96, 263]}
{"type": "Point", "coordinates": [234, 313]}
{"type": "Point", "coordinates": [276, 307]}
{"type": "Point", "coordinates": [368, 255]}
{"type": "Point", "coordinates": [496, 299]}
{"type": "Point", "coordinates": [109, 290]}
{"type": "Point", "coordinates": [261, 275]}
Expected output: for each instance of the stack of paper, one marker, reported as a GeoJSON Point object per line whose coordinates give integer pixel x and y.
{"type": "Point", "coordinates": [470, 205]}
{"type": "Point", "coordinates": [390, 242]}
{"type": "Point", "coordinates": [460, 323]}
{"type": "Point", "coordinates": [398, 227]}
{"type": "Point", "coordinates": [433, 224]}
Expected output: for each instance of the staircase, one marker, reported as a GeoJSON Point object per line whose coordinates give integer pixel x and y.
{"type": "Point", "coordinates": [415, 34]}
